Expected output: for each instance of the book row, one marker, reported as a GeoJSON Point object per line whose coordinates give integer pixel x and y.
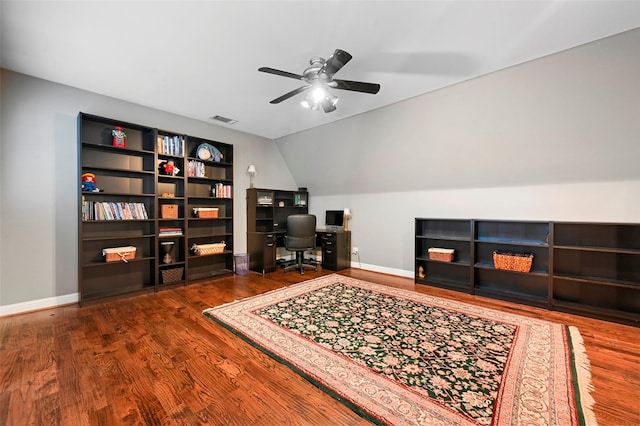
{"type": "Point", "coordinates": [171, 145]}
{"type": "Point", "coordinates": [102, 210]}
{"type": "Point", "coordinates": [220, 190]}
{"type": "Point", "coordinates": [196, 169]}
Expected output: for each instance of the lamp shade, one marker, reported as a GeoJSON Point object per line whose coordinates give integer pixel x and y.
{"type": "Point", "coordinates": [347, 215]}
{"type": "Point", "coordinates": [251, 171]}
{"type": "Point", "coordinates": [318, 96]}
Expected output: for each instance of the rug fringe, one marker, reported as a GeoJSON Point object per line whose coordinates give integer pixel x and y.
{"type": "Point", "coordinates": [583, 376]}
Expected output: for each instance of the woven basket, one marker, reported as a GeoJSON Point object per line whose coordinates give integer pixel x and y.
{"type": "Point", "coordinates": [116, 254]}
{"type": "Point", "coordinates": [512, 262]}
{"type": "Point", "coordinates": [441, 254]}
{"type": "Point", "coordinates": [172, 275]}
{"type": "Point", "coordinates": [207, 249]}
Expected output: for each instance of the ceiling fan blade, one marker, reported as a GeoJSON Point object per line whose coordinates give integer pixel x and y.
{"type": "Point", "coordinates": [357, 86]}
{"type": "Point", "coordinates": [290, 94]}
{"type": "Point", "coordinates": [280, 73]}
{"type": "Point", "coordinates": [337, 60]}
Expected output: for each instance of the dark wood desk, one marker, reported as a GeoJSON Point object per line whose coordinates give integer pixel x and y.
{"type": "Point", "coordinates": [335, 244]}
{"type": "Point", "coordinates": [267, 212]}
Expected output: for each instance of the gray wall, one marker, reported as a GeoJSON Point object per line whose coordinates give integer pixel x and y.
{"type": "Point", "coordinates": [39, 178]}
{"type": "Point", "coordinates": [552, 139]}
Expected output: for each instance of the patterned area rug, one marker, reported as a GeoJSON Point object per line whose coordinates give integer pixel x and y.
{"type": "Point", "coordinates": [400, 357]}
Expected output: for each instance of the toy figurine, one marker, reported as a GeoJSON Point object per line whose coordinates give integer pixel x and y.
{"type": "Point", "coordinates": [208, 152]}
{"type": "Point", "coordinates": [169, 168]}
{"type": "Point", "coordinates": [89, 183]}
{"type": "Point", "coordinates": [119, 137]}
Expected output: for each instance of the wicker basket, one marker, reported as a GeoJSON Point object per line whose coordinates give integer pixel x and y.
{"type": "Point", "coordinates": [512, 262]}
{"type": "Point", "coordinates": [172, 275]}
{"type": "Point", "coordinates": [207, 249]}
{"type": "Point", "coordinates": [441, 254]}
{"type": "Point", "coordinates": [116, 254]}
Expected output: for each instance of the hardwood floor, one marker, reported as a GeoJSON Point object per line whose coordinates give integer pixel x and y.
{"type": "Point", "coordinates": [155, 359]}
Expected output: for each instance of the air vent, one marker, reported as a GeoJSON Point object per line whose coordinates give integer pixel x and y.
{"type": "Point", "coordinates": [224, 119]}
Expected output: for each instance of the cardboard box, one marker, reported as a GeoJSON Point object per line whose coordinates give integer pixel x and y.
{"type": "Point", "coordinates": [169, 211]}
{"type": "Point", "coordinates": [205, 212]}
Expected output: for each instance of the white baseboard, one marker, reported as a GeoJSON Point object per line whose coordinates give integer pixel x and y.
{"type": "Point", "coordinates": [35, 305]}
{"type": "Point", "coordinates": [382, 269]}
{"type": "Point", "coordinates": [366, 267]}
{"type": "Point", "coordinates": [52, 302]}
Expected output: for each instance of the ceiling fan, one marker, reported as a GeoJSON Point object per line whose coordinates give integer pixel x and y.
{"type": "Point", "coordinates": [319, 78]}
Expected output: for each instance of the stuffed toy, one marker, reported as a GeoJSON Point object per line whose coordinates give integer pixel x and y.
{"type": "Point", "coordinates": [169, 168]}
{"type": "Point", "coordinates": [208, 152]}
{"type": "Point", "coordinates": [89, 183]}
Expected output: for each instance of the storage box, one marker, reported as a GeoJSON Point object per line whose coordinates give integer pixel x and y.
{"type": "Point", "coordinates": [207, 249]}
{"type": "Point", "coordinates": [116, 254]}
{"type": "Point", "coordinates": [205, 212]}
{"type": "Point", "coordinates": [172, 275]}
{"type": "Point", "coordinates": [169, 211]}
{"type": "Point", "coordinates": [441, 254]}
{"type": "Point", "coordinates": [512, 262]}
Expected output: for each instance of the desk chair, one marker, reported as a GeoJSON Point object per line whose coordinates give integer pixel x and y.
{"type": "Point", "coordinates": [300, 237]}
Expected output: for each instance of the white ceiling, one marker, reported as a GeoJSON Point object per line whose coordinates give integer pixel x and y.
{"type": "Point", "coordinates": [201, 58]}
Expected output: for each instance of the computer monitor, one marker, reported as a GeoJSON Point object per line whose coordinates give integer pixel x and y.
{"type": "Point", "coordinates": [334, 219]}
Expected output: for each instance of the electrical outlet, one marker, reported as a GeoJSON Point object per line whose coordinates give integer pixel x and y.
{"type": "Point", "coordinates": [354, 251]}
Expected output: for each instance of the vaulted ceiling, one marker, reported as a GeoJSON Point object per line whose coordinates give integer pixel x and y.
{"type": "Point", "coordinates": [200, 59]}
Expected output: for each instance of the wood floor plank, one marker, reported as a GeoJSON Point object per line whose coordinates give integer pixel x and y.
{"type": "Point", "coordinates": [154, 359]}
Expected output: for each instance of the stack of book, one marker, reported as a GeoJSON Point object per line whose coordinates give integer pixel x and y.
{"type": "Point", "coordinates": [165, 232]}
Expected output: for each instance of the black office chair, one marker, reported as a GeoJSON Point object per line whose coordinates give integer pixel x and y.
{"type": "Point", "coordinates": [300, 237]}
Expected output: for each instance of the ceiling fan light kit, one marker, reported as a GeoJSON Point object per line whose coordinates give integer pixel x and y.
{"type": "Point", "coordinates": [318, 97]}
{"type": "Point", "coordinates": [319, 78]}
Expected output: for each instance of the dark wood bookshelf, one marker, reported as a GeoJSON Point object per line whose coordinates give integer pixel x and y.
{"type": "Point", "coordinates": [596, 269]}
{"type": "Point", "coordinates": [590, 269]}
{"type": "Point", "coordinates": [134, 174]}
